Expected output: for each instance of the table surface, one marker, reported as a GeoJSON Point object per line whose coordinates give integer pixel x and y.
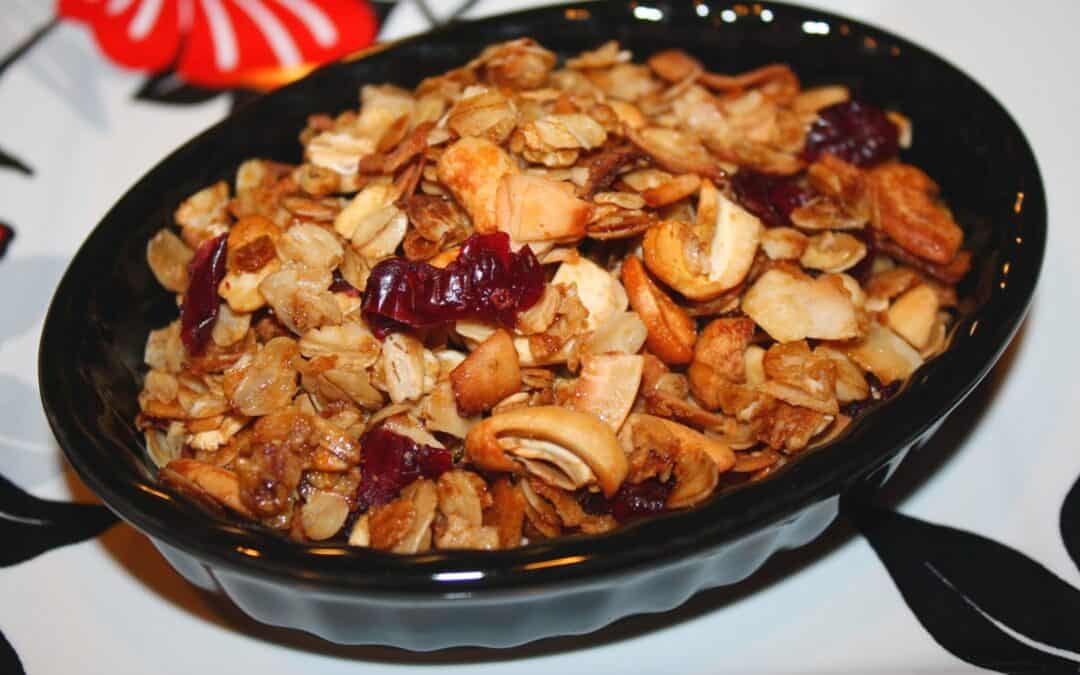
{"type": "Point", "coordinates": [1001, 467]}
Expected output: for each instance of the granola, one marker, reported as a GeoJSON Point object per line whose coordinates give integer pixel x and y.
{"type": "Point", "coordinates": [525, 300]}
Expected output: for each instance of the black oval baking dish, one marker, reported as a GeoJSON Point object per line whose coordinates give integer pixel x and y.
{"type": "Point", "coordinates": [92, 345]}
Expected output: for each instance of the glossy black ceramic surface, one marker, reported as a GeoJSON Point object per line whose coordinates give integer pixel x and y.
{"type": "Point", "coordinates": [91, 350]}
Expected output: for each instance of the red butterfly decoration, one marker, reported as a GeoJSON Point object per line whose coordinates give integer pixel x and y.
{"type": "Point", "coordinates": [226, 43]}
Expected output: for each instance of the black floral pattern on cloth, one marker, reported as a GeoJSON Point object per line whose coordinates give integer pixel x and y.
{"type": "Point", "coordinates": [1070, 523]}
{"type": "Point", "coordinates": [9, 660]}
{"type": "Point", "coordinates": [30, 526]}
{"type": "Point", "coordinates": [984, 602]}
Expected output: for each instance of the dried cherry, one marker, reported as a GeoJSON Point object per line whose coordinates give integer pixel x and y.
{"type": "Point", "coordinates": [487, 281]}
{"type": "Point", "coordinates": [856, 132]}
{"type": "Point", "coordinates": [392, 461]}
{"type": "Point", "coordinates": [771, 198]}
{"type": "Point", "coordinates": [200, 308]}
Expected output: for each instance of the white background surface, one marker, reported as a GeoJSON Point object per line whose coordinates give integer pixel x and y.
{"type": "Point", "coordinates": [112, 605]}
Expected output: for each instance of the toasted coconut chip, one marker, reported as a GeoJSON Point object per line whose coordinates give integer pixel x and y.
{"type": "Point", "coordinates": [608, 385]}
{"type": "Point", "coordinates": [168, 257]}
{"type": "Point", "coordinates": [883, 353]}
{"type": "Point", "coordinates": [537, 209]}
{"type": "Point", "coordinates": [790, 308]}
{"type": "Point", "coordinates": [914, 314]}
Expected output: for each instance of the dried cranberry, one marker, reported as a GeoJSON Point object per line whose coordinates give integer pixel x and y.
{"type": "Point", "coordinates": [487, 281]}
{"type": "Point", "coordinates": [855, 132]}
{"type": "Point", "coordinates": [6, 235]}
{"type": "Point", "coordinates": [392, 461]}
{"type": "Point", "coordinates": [636, 500]}
{"type": "Point", "coordinates": [771, 198]}
{"type": "Point", "coordinates": [593, 503]}
{"type": "Point", "coordinates": [341, 285]}
{"type": "Point", "coordinates": [200, 308]}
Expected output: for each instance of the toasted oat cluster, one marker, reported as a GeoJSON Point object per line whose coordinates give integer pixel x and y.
{"type": "Point", "coordinates": [523, 301]}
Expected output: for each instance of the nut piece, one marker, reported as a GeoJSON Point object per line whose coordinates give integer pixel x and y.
{"type": "Point", "coordinates": [534, 208]}
{"type": "Point", "coordinates": [719, 361]}
{"type": "Point", "coordinates": [675, 254]}
{"type": "Point", "coordinates": [671, 332]}
{"type": "Point", "coordinates": [662, 448]}
{"type": "Point", "coordinates": [552, 443]}
{"type": "Point", "coordinates": [884, 353]}
{"type": "Point", "coordinates": [904, 206]}
{"type": "Point", "coordinates": [913, 314]}
{"type": "Point", "coordinates": [608, 386]}
{"type": "Point", "coordinates": [488, 375]}
{"type": "Point", "coordinates": [599, 291]}
{"type": "Point", "coordinates": [791, 308]}
{"type": "Point", "coordinates": [473, 168]}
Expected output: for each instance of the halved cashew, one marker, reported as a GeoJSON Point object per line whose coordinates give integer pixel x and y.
{"type": "Point", "coordinates": [608, 386]}
{"type": "Point", "coordinates": [558, 439]}
{"type": "Point", "coordinates": [222, 485]}
{"type": "Point", "coordinates": [323, 514]}
{"type": "Point", "coordinates": [599, 291]}
{"type": "Point", "coordinates": [793, 308]}
{"type": "Point", "coordinates": [659, 446]}
{"type": "Point", "coordinates": [913, 315]}
{"type": "Point", "coordinates": [535, 208]}
{"type": "Point", "coordinates": [473, 168]}
{"type": "Point", "coordinates": [671, 331]}
{"type": "Point", "coordinates": [488, 375]}
{"type": "Point", "coordinates": [675, 254]}
{"type": "Point", "coordinates": [883, 353]}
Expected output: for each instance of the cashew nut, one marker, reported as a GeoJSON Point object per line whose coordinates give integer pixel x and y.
{"type": "Point", "coordinates": [570, 447]}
